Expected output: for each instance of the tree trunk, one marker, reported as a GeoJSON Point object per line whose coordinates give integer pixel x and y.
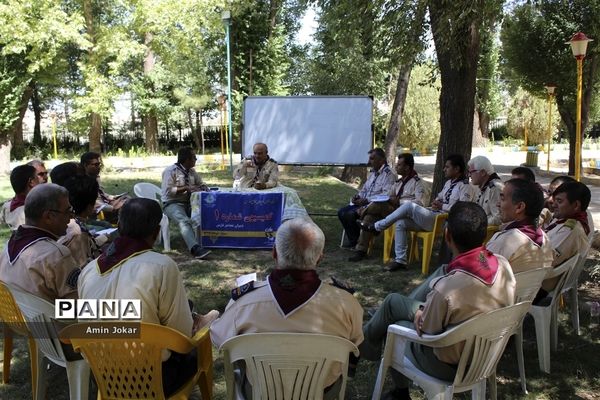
{"type": "Point", "coordinates": [150, 120]}
{"type": "Point", "coordinates": [16, 129]}
{"type": "Point", "coordinates": [192, 129]}
{"type": "Point", "coordinates": [95, 119]}
{"type": "Point", "coordinates": [478, 138]}
{"type": "Point", "coordinates": [484, 124]}
{"type": "Point", "coordinates": [273, 11]}
{"type": "Point", "coordinates": [200, 128]}
{"type": "Point", "coordinates": [391, 138]}
{"type": "Point", "coordinates": [95, 132]}
{"type": "Point", "coordinates": [37, 112]}
{"type": "Point", "coordinates": [5, 147]}
{"type": "Point", "coordinates": [458, 77]}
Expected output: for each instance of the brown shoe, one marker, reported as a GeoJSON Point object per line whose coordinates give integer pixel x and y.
{"type": "Point", "coordinates": [358, 256]}
{"type": "Point", "coordinates": [394, 266]}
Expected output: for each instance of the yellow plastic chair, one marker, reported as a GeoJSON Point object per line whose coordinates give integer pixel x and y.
{"type": "Point", "coordinates": [131, 368]}
{"type": "Point", "coordinates": [428, 238]}
{"type": "Point", "coordinates": [388, 239]}
{"type": "Point", "coordinates": [14, 322]}
{"type": "Point", "coordinates": [491, 230]}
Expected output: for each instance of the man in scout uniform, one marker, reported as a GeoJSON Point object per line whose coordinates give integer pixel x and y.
{"type": "Point", "coordinates": [259, 171]}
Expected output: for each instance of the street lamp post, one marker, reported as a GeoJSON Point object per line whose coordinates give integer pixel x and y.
{"type": "Point", "coordinates": [578, 44]}
{"type": "Point", "coordinates": [550, 89]}
{"type": "Point", "coordinates": [226, 17]}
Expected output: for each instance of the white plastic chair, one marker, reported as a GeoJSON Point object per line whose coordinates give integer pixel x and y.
{"type": "Point", "coordinates": [151, 191]}
{"type": "Point", "coordinates": [37, 313]}
{"type": "Point", "coordinates": [545, 317]}
{"type": "Point", "coordinates": [285, 366]}
{"type": "Point", "coordinates": [528, 285]}
{"type": "Point", "coordinates": [484, 336]}
{"type": "Point", "coordinates": [571, 285]}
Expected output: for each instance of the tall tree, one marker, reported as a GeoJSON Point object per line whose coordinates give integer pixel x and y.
{"type": "Point", "coordinates": [456, 29]}
{"type": "Point", "coordinates": [534, 37]}
{"type": "Point", "coordinates": [32, 36]}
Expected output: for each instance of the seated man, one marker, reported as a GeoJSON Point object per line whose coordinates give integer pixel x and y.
{"type": "Point", "coordinates": [476, 281]}
{"type": "Point", "coordinates": [129, 269]}
{"type": "Point", "coordinates": [483, 176]}
{"type": "Point", "coordinates": [107, 203]}
{"type": "Point", "coordinates": [379, 182]}
{"type": "Point", "coordinates": [259, 171]}
{"type": "Point", "coordinates": [41, 172]}
{"type": "Point", "coordinates": [523, 173]}
{"type": "Point", "coordinates": [548, 212]}
{"type": "Point", "coordinates": [408, 188]}
{"type": "Point", "coordinates": [33, 260]}
{"type": "Point", "coordinates": [178, 182]}
{"type": "Point", "coordinates": [22, 180]}
{"type": "Point", "coordinates": [521, 241]}
{"type": "Point", "coordinates": [293, 298]}
{"type": "Point", "coordinates": [568, 231]}
{"type": "Point", "coordinates": [83, 244]}
{"type": "Point", "coordinates": [411, 216]}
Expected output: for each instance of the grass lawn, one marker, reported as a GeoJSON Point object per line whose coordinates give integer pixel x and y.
{"type": "Point", "coordinates": [575, 366]}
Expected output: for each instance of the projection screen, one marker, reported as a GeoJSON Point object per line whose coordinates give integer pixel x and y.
{"type": "Point", "coordinates": [329, 130]}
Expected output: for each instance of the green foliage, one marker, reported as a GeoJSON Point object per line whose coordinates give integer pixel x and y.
{"type": "Point", "coordinates": [489, 99]}
{"type": "Point", "coordinates": [530, 113]}
{"type": "Point", "coordinates": [420, 124]}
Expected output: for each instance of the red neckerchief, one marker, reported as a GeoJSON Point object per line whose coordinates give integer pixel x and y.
{"type": "Point", "coordinates": [534, 233]}
{"type": "Point", "coordinates": [17, 201]}
{"type": "Point", "coordinates": [580, 216]}
{"type": "Point", "coordinates": [119, 250]}
{"type": "Point", "coordinates": [24, 237]}
{"type": "Point", "coordinates": [478, 262]}
{"type": "Point", "coordinates": [293, 287]}
{"type": "Point", "coordinates": [405, 179]}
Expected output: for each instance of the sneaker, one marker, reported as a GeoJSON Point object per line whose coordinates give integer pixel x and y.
{"type": "Point", "coordinates": [394, 266]}
{"type": "Point", "coordinates": [358, 256]}
{"type": "Point", "coordinates": [199, 252]}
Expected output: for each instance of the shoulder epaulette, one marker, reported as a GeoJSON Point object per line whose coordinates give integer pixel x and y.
{"type": "Point", "coordinates": [416, 178]}
{"type": "Point", "coordinates": [387, 169]}
{"type": "Point", "coordinates": [570, 223]}
{"type": "Point", "coordinates": [245, 289]}
{"type": "Point", "coordinates": [272, 159]}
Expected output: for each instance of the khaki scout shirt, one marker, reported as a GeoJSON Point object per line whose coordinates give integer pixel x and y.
{"type": "Point", "coordinates": [378, 182]}
{"type": "Point", "coordinates": [521, 252]}
{"type": "Point", "coordinates": [268, 174]}
{"type": "Point", "coordinates": [151, 277]}
{"type": "Point", "coordinates": [415, 190]}
{"type": "Point", "coordinates": [329, 311]}
{"type": "Point", "coordinates": [173, 177]}
{"type": "Point", "coordinates": [81, 244]}
{"type": "Point", "coordinates": [45, 269]}
{"type": "Point", "coordinates": [489, 198]}
{"type": "Point", "coordinates": [458, 296]}
{"type": "Point", "coordinates": [14, 218]}
{"type": "Point", "coordinates": [567, 239]}
{"type": "Point", "coordinates": [462, 191]}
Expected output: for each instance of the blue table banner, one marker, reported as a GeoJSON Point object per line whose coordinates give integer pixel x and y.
{"type": "Point", "coordinates": [240, 220]}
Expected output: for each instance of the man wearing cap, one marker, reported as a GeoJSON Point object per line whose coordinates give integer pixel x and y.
{"type": "Point", "coordinates": [489, 183]}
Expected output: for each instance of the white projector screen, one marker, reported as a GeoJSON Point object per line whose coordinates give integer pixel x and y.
{"type": "Point", "coordinates": [330, 130]}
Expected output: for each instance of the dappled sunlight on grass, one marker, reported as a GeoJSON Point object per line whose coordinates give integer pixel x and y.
{"type": "Point", "coordinates": [209, 282]}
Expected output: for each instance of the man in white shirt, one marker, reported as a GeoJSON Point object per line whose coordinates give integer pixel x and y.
{"type": "Point", "coordinates": [379, 182]}
{"type": "Point", "coordinates": [22, 179]}
{"type": "Point", "coordinates": [411, 216]}
{"type": "Point", "coordinates": [489, 183]}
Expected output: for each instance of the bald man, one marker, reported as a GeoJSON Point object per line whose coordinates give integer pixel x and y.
{"type": "Point", "coordinates": [259, 171]}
